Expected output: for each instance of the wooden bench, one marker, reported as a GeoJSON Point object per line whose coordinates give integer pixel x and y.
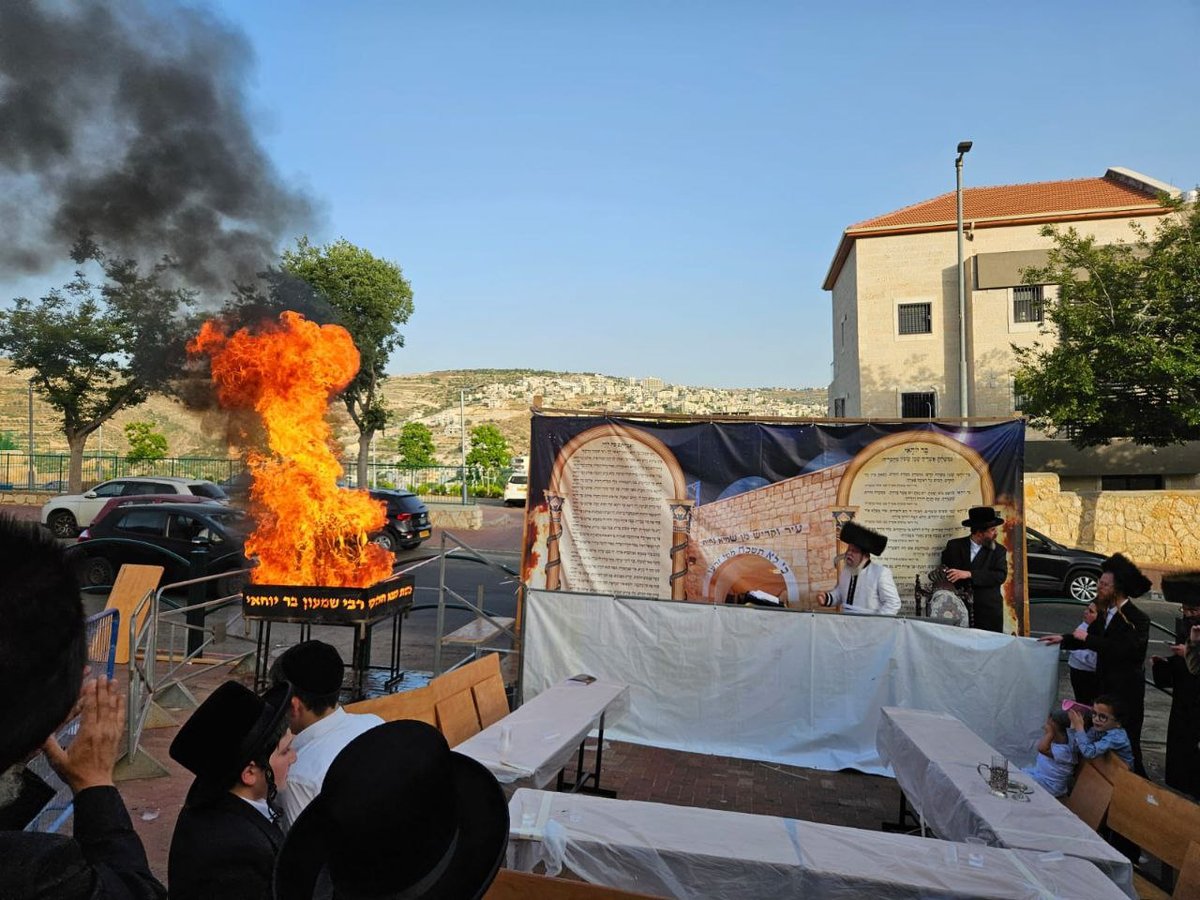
{"type": "Point", "coordinates": [1092, 792]}
{"type": "Point", "coordinates": [478, 631]}
{"type": "Point", "coordinates": [1161, 822]}
{"type": "Point", "coordinates": [511, 885]}
{"type": "Point", "coordinates": [459, 703]}
{"type": "Point", "coordinates": [132, 584]}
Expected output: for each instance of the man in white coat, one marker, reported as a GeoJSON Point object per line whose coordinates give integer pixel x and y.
{"type": "Point", "coordinates": [864, 586]}
{"type": "Point", "coordinates": [322, 728]}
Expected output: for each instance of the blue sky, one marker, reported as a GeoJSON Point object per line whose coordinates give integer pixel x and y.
{"type": "Point", "coordinates": [657, 188]}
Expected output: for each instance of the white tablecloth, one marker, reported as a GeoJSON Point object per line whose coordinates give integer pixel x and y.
{"type": "Point", "coordinates": [546, 731]}
{"type": "Point", "coordinates": [935, 757]}
{"type": "Point", "coordinates": [678, 851]}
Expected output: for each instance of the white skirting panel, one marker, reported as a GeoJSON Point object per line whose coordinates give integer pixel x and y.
{"type": "Point", "coordinates": [803, 689]}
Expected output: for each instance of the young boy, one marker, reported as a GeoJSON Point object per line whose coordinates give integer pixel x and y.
{"type": "Point", "coordinates": [1105, 734]}
{"type": "Point", "coordinates": [1056, 758]}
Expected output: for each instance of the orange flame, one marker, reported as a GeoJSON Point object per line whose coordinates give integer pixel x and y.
{"type": "Point", "coordinates": [309, 531]}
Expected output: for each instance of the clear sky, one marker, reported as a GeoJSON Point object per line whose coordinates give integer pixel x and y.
{"type": "Point", "coordinates": [639, 187]}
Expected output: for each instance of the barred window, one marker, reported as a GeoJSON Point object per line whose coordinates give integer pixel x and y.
{"type": "Point", "coordinates": [915, 318]}
{"type": "Point", "coordinates": [839, 407]}
{"type": "Point", "coordinates": [918, 405]}
{"type": "Point", "coordinates": [1028, 303]}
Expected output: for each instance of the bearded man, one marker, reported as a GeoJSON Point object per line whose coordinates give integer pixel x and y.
{"type": "Point", "coordinates": [864, 586]}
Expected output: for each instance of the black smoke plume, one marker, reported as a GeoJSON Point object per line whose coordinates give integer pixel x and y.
{"type": "Point", "coordinates": [128, 119]}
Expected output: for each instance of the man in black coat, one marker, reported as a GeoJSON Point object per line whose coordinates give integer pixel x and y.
{"type": "Point", "coordinates": [983, 562]}
{"type": "Point", "coordinates": [42, 657]}
{"type": "Point", "coordinates": [226, 838]}
{"type": "Point", "coordinates": [1171, 673]}
{"type": "Point", "coordinates": [1120, 636]}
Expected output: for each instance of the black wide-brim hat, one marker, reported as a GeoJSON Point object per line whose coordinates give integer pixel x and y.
{"type": "Point", "coordinates": [981, 518]}
{"type": "Point", "coordinates": [866, 540]}
{"type": "Point", "coordinates": [312, 666]}
{"type": "Point", "coordinates": [228, 730]}
{"type": "Point", "coordinates": [1126, 575]}
{"type": "Point", "coordinates": [399, 814]}
{"type": "Point", "coordinates": [1182, 588]}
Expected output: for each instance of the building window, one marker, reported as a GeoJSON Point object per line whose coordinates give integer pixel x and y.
{"type": "Point", "coordinates": [915, 318]}
{"type": "Point", "coordinates": [839, 407]}
{"type": "Point", "coordinates": [843, 332]}
{"type": "Point", "coordinates": [1018, 399]}
{"type": "Point", "coordinates": [919, 405]}
{"type": "Point", "coordinates": [1131, 482]}
{"type": "Point", "coordinates": [1028, 304]}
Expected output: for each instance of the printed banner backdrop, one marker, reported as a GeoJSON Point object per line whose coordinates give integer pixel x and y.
{"type": "Point", "coordinates": [707, 512]}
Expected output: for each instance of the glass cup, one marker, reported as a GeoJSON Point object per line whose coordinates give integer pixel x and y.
{"type": "Point", "coordinates": [529, 811]}
{"type": "Point", "coordinates": [998, 774]}
{"type": "Point", "coordinates": [505, 738]}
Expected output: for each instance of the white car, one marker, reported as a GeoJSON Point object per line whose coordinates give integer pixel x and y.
{"type": "Point", "coordinates": [68, 514]}
{"type": "Point", "coordinates": [515, 489]}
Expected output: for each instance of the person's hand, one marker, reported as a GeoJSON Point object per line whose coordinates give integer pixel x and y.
{"type": "Point", "coordinates": [1080, 634]}
{"type": "Point", "coordinates": [1050, 639]}
{"type": "Point", "coordinates": [1076, 718]}
{"type": "Point", "coordinates": [824, 599]}
{"type": "Point", "coordinates": [1194, 635]}
{"type": "Point", "coordinates": [957, 575]}
{"type": "Point", "coordinates": [89, 760]}
{"type": "Point", "coordinates": [1179, 649]}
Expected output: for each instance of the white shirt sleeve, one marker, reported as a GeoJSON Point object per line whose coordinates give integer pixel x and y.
{"type": "Point", "coordinates": [889, 597]}
{"type": "Point", "coordinates": [297, 795]}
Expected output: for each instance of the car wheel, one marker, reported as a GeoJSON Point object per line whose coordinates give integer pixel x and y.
{"type": "Point", "coordinates": [385, 540]}
{"type": "Point", "coordinates": [62, 524]}
{"type": "Point", "coordinates": [1082, 586]}
{"type": "Point", "coordinates": [231, 584]}
{"type": "Point", "coordinates": [95, 571]}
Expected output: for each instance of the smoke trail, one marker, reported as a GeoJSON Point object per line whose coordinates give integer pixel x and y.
{"type": "Point", "coordinates": [128, 119]}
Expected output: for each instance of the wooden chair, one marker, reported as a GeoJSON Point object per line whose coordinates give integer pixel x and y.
{"type": "Point", "coordinates": [418, 704]}
{"type": "Point", "coordinates": [1187, 885]}
{"type": "Point", "coordinates": [510, 885]}
{"type": "Point", "coordinates": [1158, 820]}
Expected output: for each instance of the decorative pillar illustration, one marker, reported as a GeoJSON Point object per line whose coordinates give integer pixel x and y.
{"type": "Point", "coordinates": [553, 563]}
{"type": "Point", "coordinates": [681, 525]}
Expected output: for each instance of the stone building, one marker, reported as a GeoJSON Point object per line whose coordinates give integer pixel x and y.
{"type": "Point", "coordinates": [894, 285]}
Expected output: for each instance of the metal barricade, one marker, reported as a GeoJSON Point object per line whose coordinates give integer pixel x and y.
{"type": "Point", "coordinates": [101, 636]}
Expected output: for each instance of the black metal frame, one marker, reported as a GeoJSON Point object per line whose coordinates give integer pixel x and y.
{"type": "Point", "coordinates": [580, 784]}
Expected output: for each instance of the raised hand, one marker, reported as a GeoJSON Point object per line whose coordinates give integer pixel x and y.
{"type": "Point", "coordinates": [89, 760]}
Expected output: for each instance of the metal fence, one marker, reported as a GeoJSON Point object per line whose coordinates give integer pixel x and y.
{"type": "Point", "coordinates": [101, 636]}
{"type": "Point", "coordinates": [48, 472]}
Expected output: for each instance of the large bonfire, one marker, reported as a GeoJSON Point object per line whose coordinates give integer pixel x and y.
{"type": "Point", "coordinates": [308, 530]}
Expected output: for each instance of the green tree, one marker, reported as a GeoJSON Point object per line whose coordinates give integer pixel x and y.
{"type": "Point", "coordinates": [7, 441]}
{"type": "Point", "coordinates": [1122, 354]}
{"type": "Point", "coordinates": [94, 349]}
{"type": "Point", "coordinates": [416, 445]}
{"type": "Point", "coordinates": [146, 443]}
{"type": "Point", "coordinates": [489, 449]}
{"type": "Point", "coordinates": [372, 300]}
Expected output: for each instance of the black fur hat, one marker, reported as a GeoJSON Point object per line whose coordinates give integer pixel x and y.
{"type": "Point", "coordinates": [1182, 588]}
{"type": "Point", "coordinates": [314, 667]}
{"type": "Point", "coordinates": [863, 538]}
{"type": "Point", "coordinates": [1126, 575]}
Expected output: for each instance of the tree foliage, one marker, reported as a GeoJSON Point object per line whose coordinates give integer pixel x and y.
{"type": "Point", "coordinates": [415, 445]}
{"type": "Point", "coordinates": [372, 300]}
{"type": "Point", "coordinates": [146, 442]}
{"type": "Point", "coordinates": [488, 447]}
{"type": "Point", "coordinates": [94, 348]}
{"type": "Point", "coordinates": [1121, 356]}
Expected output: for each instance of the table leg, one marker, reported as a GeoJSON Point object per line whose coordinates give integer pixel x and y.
{"type": "Point", "coordinates": [580, 785]}
{"type": "Point", "coordinates": [905, 822]}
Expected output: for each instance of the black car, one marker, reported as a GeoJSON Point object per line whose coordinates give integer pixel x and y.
{"type": "Point", "coordinates": [164, 534]}
{"type": "Point", "coordinates": [407, 521]}
{"type": "Point", "coordinates": [1060, 571]}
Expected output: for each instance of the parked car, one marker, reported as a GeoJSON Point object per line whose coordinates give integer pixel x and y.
{"type": "Point", "coordinates": [516, 489]}
{"type": "Point", "coordinates": [237, 486]}
{"type": "Point", "coordinates": [1060, 571]}
{"type": "Point", "coordinates": [146, 499]}
{"type": "Point", "coordinates": [407, 521]}
{"type": "Point", "coordinates": [67, 514]}
{"type": "Point", "coordinates": [164, 534]}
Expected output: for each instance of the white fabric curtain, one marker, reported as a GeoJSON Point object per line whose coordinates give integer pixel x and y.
{"type": "Point", "coordinates": [801, 689]}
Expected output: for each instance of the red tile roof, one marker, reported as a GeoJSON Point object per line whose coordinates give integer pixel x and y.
{"type": "Point", "coordinates": [1008, 204]}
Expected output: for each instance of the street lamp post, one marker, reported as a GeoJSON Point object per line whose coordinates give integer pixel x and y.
{"type": "Point", "coordinates": [462, 430]}
{"type": "Point", "coordinates": [964, 147]}
{"type": "Point", "coordinates": [31, 471]}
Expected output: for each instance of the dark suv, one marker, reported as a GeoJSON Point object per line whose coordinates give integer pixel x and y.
{"type": "Point", "coordinates": [164, 534]}
{"type": "Point", "coordinates": [407, 521]}
{"type": "Point", "coordinates": [1060, 571]}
